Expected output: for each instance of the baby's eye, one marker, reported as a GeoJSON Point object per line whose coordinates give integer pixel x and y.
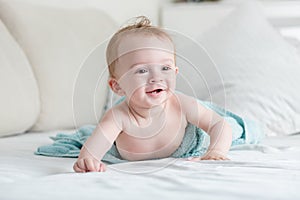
{"type": "Point", "coordinates": [141, 71]}
{"type": "Point", "coordinates": [165, 68]}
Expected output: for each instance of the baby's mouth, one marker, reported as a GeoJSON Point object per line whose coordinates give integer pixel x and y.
{"type": "Point", "coordinates": [156, 91]}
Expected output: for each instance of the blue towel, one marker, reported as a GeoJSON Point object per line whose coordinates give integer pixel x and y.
{"type": "Point", "coordinates": [195, 141]}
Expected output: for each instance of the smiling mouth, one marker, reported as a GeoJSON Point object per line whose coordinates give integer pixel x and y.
{"type": "Point", "coordinates": [155, 91]}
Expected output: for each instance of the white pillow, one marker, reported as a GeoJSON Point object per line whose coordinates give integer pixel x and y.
{"type": "Point", "coordinates": [19, 102]}
{"type": "Point", "coordinates": [57, 41]}
{"type": "Point", "coordinates": [257, 68]}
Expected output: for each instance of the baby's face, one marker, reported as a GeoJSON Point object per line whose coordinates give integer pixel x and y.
{"type": "Point", "coordinates": [146, 71]}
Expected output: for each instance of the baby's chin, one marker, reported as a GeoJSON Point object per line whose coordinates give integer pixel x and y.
{"type": "Point", "coordinates": [147, 103]}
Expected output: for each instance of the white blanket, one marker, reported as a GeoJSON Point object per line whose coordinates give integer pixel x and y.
{"type": "Point", "coordinates": [270, 170]}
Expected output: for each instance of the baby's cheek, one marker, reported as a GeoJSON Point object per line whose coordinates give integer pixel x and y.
{"type": "Point", "coordinates": [172, 83]}
{"type": "Point", "coordinates": [137, 83]}
{"type": "Point", "coordinates": [134, 85]}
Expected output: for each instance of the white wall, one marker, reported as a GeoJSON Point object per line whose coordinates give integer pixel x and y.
{"type": "Point", "coordinates": [119, 10]}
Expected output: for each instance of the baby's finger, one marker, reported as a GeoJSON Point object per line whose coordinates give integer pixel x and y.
{"type": "Point", "coordinates": [224, 158]}
{"type": "Point", "coordinates": [208, 158]}
{"type": "Point", "coordinates": [97, 165]}
{"type": "Point", "coordinates": [218, 158]}
{"type": "Point", "coordinates": [214, 158]}
{"type": "Point", "coordinates": [89, 165]}
{"type": "Point", "coordinates": [193, 159]}
{"type": "Point", "coordinates": [77, 168]}
{"type": "Point", "coordinates": [102, 167]}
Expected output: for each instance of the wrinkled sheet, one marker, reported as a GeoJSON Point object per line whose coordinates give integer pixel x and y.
{"type": "Point", "coordinates": [270, 170]}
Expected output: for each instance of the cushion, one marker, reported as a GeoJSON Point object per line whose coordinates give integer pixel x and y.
{"type": "Point", "coordinates": [61, 43]}
{"type": "Point", "coordinates": [248, 68]}
{"type": "Point", "coordinates": [19, 103]}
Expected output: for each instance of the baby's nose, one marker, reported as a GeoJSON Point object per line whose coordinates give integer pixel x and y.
{"type": "Point", "coordinates": [155, 80]}
{"type": "Point", "coordinates": [155, 77]}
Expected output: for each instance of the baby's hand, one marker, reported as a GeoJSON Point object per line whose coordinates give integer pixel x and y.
{"type": "Point", "coordinates": [214, 155]}
{"type": "Point", "coordinates": [210, 155]}
{"type": "Point", "coordinates": [89, 165]}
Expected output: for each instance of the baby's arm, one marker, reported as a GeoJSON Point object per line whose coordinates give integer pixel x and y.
{"type": "Point", "coordinates": [217, 128]}
{"type": "Point", "coordinates": [101, 140]}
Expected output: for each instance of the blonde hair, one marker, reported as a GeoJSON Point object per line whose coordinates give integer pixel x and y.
{"type": "Point", "coordinates": [141, 25]}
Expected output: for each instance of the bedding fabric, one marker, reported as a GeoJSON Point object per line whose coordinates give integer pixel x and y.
{"type": "Point", "coordinates": [243, 64]}
{"type": "Point", "coordinates": [60, 43]}
{"type": "Point", "coordinates": [270, 170]}
{"type": "Point", "coordinates": [17, 84]}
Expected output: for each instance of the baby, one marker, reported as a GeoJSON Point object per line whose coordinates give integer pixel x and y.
{"type": "Point", "coordinates": [150, 123]}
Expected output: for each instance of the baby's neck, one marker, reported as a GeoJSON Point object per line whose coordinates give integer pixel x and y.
{"type": "Point", "coordinates": [144, 116]}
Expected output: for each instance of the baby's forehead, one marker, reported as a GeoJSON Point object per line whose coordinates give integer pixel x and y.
{"type": "Point", "coordinates": [135, 42]}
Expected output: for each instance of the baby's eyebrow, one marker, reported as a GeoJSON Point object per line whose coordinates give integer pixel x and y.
{"type": "Point", "coordinates": [164, 61]}
{"type": "Point", "coordinates": [135, 64]}
{"type": "Point", "coordinates": [168, 60]}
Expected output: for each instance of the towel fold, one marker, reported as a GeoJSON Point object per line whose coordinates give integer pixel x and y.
{"type": "Point", "coordinates": [195, 141]}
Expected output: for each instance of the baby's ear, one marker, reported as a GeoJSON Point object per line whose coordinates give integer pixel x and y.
{"type": "Point", "coordinates": [114, 85]}
{"type": "Point", "coordinates": [176, 70]}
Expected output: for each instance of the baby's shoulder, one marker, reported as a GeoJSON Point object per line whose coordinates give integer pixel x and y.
{"type": "Point", "coordinates": [116, 112]}
{"type": "Point", "coordinates": [185, 99]}
{"type": "Point", "coordinates": [186, 102]}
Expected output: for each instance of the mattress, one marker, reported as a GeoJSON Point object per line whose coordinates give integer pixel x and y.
{"type": "Point", "coordinates": [269, 170]}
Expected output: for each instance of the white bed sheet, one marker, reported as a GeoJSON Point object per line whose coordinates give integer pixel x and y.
{"type": "Point", "coordinates": [270, 170]}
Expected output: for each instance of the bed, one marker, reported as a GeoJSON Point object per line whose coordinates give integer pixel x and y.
{"type": "Point", "coordinates": [252, 70]}
{"type": "Point", "coordinates": [270, 170]}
